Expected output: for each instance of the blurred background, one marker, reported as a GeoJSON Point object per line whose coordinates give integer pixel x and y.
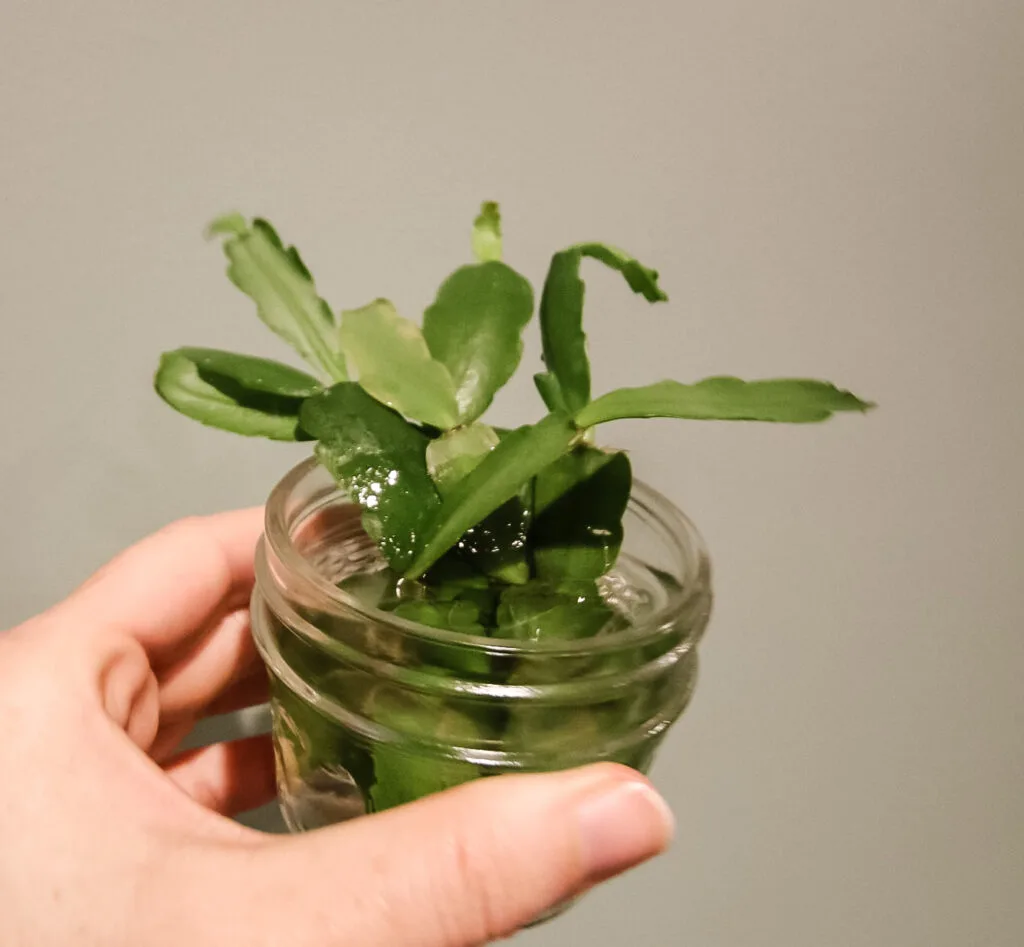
{"type": "Point", "coordinates": [830, 189]}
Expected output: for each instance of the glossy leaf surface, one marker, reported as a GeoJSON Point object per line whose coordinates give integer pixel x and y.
{"type": "Point", "coordinates": [519, 457]}
{"type": "Point", "coordinates": [379, 458]}
{"type": "Point", "coordinates": [579, 502]}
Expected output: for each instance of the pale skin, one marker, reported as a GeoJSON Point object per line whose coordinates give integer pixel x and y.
{"type": "Point", "coordinates": [109, 835]}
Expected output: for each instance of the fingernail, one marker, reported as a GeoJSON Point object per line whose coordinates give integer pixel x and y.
{"type": "Point", "coordinates": [623, 824]}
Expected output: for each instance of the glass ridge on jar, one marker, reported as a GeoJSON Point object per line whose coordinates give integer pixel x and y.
{"type": "Point", "coordinates": [371, 710]}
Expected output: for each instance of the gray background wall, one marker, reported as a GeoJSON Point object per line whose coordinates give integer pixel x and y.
{"type": "Point", "coordinates": [830, 189]}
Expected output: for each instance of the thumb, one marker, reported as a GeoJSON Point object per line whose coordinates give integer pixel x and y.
{"type": "Point", "coordinates": [460, 868]}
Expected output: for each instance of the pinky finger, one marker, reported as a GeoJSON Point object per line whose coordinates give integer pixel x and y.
{"type": "Point", "coordinates": [227, 778]}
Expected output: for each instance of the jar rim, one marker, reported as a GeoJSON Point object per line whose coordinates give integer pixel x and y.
{"type": "Point", "coordinates": [680, 533]}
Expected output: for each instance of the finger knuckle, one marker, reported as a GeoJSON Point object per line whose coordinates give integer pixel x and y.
{"type": "Point", "coordinates": [130, 692]}
{"type": "Point", "coordinates": [194, 539]}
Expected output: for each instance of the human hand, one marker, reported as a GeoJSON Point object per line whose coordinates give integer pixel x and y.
{"type": "Point", "coordinates": [109, 835]}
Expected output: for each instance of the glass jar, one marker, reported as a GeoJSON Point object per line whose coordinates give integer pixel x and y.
{"type": "Point", "coordinates": [371, 710]}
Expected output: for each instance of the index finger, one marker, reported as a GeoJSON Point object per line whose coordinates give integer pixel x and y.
{"type": "Point", "coordinates": [172, 582]}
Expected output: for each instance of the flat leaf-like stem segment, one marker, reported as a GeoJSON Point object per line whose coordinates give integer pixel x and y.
{"type": "Point", "coordinates": [237, 393]}
{"type": "Point", "coordinates": [277, 280]}
{"type": "Point", "coordinates": [578, 505]}
{"type": "Point", "coordinates": [380, 459]}
{"type": "Point", "coordinates": [487, 233]}
{"type": "Point", "coordinates": [519, 457]}
{"type": "Point", "coordinates": [550, 392]}
{"type": "Point", "coordinates": [474, 328]}
{"type": "Point", "coordinates": [395, 365]}
{"type": "Point", "coordinates": [561, 318]}
{"type": "Point", "coordinates": [454, 454]}
{"type": "Point", "coordinates": [787, 400]}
